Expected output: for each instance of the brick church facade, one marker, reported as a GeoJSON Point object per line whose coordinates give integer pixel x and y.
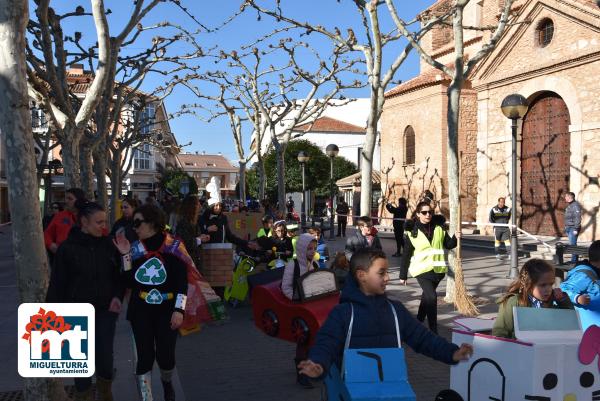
{"type": "Point", "coordinates": [552, 57]}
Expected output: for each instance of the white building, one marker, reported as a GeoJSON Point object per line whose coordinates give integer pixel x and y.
{"type": "Point", "coordinates": [343, 125]}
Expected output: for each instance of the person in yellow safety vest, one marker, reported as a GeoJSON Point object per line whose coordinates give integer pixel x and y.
{"type": "Point", "coordinates": [266, 232]}
{"type": "Point", "coordinates": [425, 250]}
{"type": "Point", "coordinates": [292, 232]}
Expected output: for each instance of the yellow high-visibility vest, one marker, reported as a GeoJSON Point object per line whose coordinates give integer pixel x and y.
{"type": "Point", "coordinates": [428, 255]}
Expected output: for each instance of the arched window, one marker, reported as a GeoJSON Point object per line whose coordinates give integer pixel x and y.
{"type": "Point", "coordinates": [544, 32]}
{"type": "Point", "coordinates": [409, 145]}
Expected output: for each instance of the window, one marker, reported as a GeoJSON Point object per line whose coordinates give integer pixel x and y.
{"type": "Point", "coordinates": [409, 146]}
{"type": "Point", "coordinates": [147, 119]}
{"type": "Point", "coordinates": [545, 32]}
{"type": "Point", "coordinates": [141, 157]}
{"type": "Point", "coordinates": [38, 118]}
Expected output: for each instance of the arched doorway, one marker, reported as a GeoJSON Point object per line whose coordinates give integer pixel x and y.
{"type": "Point", "coordinates": [545, 165]}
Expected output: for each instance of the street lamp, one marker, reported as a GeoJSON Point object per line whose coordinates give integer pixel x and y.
{"type": "Point", "coordinates": [332, 151]}
{"type": "Point", "coordinates": [303, 158]}
{"type": "Point", "coordinates": [514, 107]}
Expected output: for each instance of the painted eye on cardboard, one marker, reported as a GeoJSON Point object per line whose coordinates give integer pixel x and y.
{"type": "Point", "coordinates": [586, 379]}
{"type": "Point", "coordinates": [550, 381]}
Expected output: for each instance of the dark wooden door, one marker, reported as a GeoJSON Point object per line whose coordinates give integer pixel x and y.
{"type": "Point", "coordinates": [545, 163]}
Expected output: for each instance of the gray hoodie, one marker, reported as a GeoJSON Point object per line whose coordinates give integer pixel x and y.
{"type": "Point", "coordinates": [287, 283]}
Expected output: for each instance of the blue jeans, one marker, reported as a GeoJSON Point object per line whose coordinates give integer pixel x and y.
{"type": "Point", "coordinates": [572, 233]}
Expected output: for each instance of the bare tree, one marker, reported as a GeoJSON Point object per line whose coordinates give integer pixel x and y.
{"type": "Point", "coordinates": [15, 123]}
{"type": "Point", "coordinates": [379, 77]}
{"type": "Point", "coordinates": [459, 72]}
{"type": "Point", "coordinates": [49, 58]}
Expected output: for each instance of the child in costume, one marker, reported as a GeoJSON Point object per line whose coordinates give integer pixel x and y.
{"type": "Point", "coordinates": [374, 320]}
{"type": "Point", "coordinates": [533, 288]}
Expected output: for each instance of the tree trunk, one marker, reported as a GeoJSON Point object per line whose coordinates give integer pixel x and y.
{"type": "Point", "coordinates": [243, 181]}
{"type": "Point", "coordinates": [453, 114]}
{"type": "Point", "coordinates": [70, 157]}
{"type": "Point", "coordinates": [280, 154]}
{"type": "Point", "coordinates": [31, 262]}
{"type": "Point", "coordinates": [99, 165]}
{"type": "Point", "coordinates": [262, 180]}
{"type": "Point", "coordinates": [115, 183]}
{"type": "Point", "coordinates": [366, 163]}
{"type": "Point", "coordinates": [87, 171]}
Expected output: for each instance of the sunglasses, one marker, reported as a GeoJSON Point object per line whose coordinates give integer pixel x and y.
{"type": "Point", "coordinates": [137, 223]}
{"type": "Point", "coordinates": [425, 212]}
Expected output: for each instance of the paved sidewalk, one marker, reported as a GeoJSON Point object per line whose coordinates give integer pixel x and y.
{"type": "Point", "coordinates": [235, 361]}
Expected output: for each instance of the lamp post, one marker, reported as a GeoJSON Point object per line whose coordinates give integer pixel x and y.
{"type": "Point", "coordinates": [332, 151]}
{"type": "Point", "coordinates": [514, 107]}
{"type": "Point", "coordinates": [303, 158]}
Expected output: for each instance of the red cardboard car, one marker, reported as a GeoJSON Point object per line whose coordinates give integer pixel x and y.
{"type": "Point", "coordinates": [298, 322]}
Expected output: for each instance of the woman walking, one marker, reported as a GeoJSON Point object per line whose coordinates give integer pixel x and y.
{"type": "Point", "coordinates": [125, 223]}
{"type": "Point", "coordinates": [158, 279]}
{"type": "Point", "coordinates": [425, 250]}
{"type": "Point", "coordinates": [187, 227]}
{"type": "Point", "coordinates": [86, 269]}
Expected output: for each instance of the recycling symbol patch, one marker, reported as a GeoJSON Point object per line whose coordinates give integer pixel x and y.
{"type": "Point", "coordinates": [152, 272]}
{"type": "Point", "coordinates": [154, 297]}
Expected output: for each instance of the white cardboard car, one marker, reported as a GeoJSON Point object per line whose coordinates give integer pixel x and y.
{"type": "Point", "coordinates": [551, 359]}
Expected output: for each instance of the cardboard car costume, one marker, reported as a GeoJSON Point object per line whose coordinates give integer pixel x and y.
{"type": "Point", "coordinates": [551, 359]}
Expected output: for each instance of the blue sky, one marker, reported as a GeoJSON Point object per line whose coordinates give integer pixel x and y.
{"type": "Point", "coordinates": [216, 136]}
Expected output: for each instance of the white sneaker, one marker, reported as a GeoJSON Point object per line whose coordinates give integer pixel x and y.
{"type": "Point", "coordinates": [498, 256]}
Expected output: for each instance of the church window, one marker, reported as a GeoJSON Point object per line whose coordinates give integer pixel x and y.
{"type": "Point", "coordinates": [545, 32]}
{"type": "Point", "coordinates": [409, 145]}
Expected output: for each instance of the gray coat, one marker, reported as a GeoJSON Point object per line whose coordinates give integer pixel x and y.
{"type": "Point", "coordinates": [573, 215]}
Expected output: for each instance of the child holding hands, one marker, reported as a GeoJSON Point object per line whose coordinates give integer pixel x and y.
{"type": "Point", "coordinates": [374, 322]}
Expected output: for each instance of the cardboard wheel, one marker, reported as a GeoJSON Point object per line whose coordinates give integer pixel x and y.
{"type": "Point", "coordinates": [448, 395]}
{"type": "Point", "coordinates": [300, 330]}
{"type": "Point", "coordinates": [270, 323]}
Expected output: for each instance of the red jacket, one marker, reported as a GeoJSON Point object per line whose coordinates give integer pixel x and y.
{"type": "Point", "coordinates": [58, 229]}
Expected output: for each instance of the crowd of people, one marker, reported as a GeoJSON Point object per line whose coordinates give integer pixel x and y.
{"type": "Point", "coordinates": [130, 263]}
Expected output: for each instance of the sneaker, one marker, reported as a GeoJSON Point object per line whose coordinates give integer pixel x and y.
{"type": "Point", "coordinates": [498, 256]}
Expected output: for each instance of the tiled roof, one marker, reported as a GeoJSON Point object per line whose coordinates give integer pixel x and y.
{"type": "Point", "coordinates": [432, 77]}
{"type": "Point", "coordinates": [194, 162]}
{"type": "Point", "coordinates": [328, 124]}
{"type": "Point", "coordinates": [354, 179]}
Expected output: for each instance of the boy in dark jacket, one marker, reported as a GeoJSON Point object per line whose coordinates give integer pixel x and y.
{"type": "Point", "coordinates": [365, 237]}
{"type": "Point", "coordinates": [374, 325]}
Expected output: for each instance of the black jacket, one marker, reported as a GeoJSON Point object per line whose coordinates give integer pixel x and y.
{"type": "Point", "coordinates": [343, 209]}
{"type": "Point", "coordinates": [359, 241]}
{"type": "Point", "coordinates": [410, 228]}
{"type": "Point", "coordinates": [86, 269]}
{"type": "Point", "coordinates": [398, 212]}
{"type": "Point", "coordinates": [573, 215]}
{"type": "Point", "coordinates": [223, 232]}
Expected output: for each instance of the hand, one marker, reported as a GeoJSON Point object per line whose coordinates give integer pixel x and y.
{"type": "Point", "coordinates": [310, 369]}
{"type": "Point", "coordinates": [122, 243]}
{"type": "Point", "coordinates": [212, 229]}
{"type": "Point", "coordinates": [575, 232]}
{"type": "Point", "coordinates": [458, 234]}
{"type": "Point", "coordinates": [463, 353]}
{"type": "Point", "coordinates": [53, 247]}
{"type": "Point", "coordinates": [115, 305]}
{"type": "Point", "coordinates": [402, 282]}
{"type": "Point", "coordinates": [583, 299]}
{"type": "Point", "coordinates": [176, 320]}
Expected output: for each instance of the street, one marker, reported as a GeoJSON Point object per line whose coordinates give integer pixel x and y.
{"type": "Point", "coordinates": [234, 361]}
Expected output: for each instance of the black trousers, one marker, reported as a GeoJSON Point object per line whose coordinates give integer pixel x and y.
{"type": "Point", "coordinates": [399, 235]}
{"type": "Point", "coordinates": [429, 282]}
{"type": "Point", "coordinates": [154, 339]}
{"type": "Point", "coordinates": [105, 335]}
{"type": "Point", "coordinates": [342, 222]}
